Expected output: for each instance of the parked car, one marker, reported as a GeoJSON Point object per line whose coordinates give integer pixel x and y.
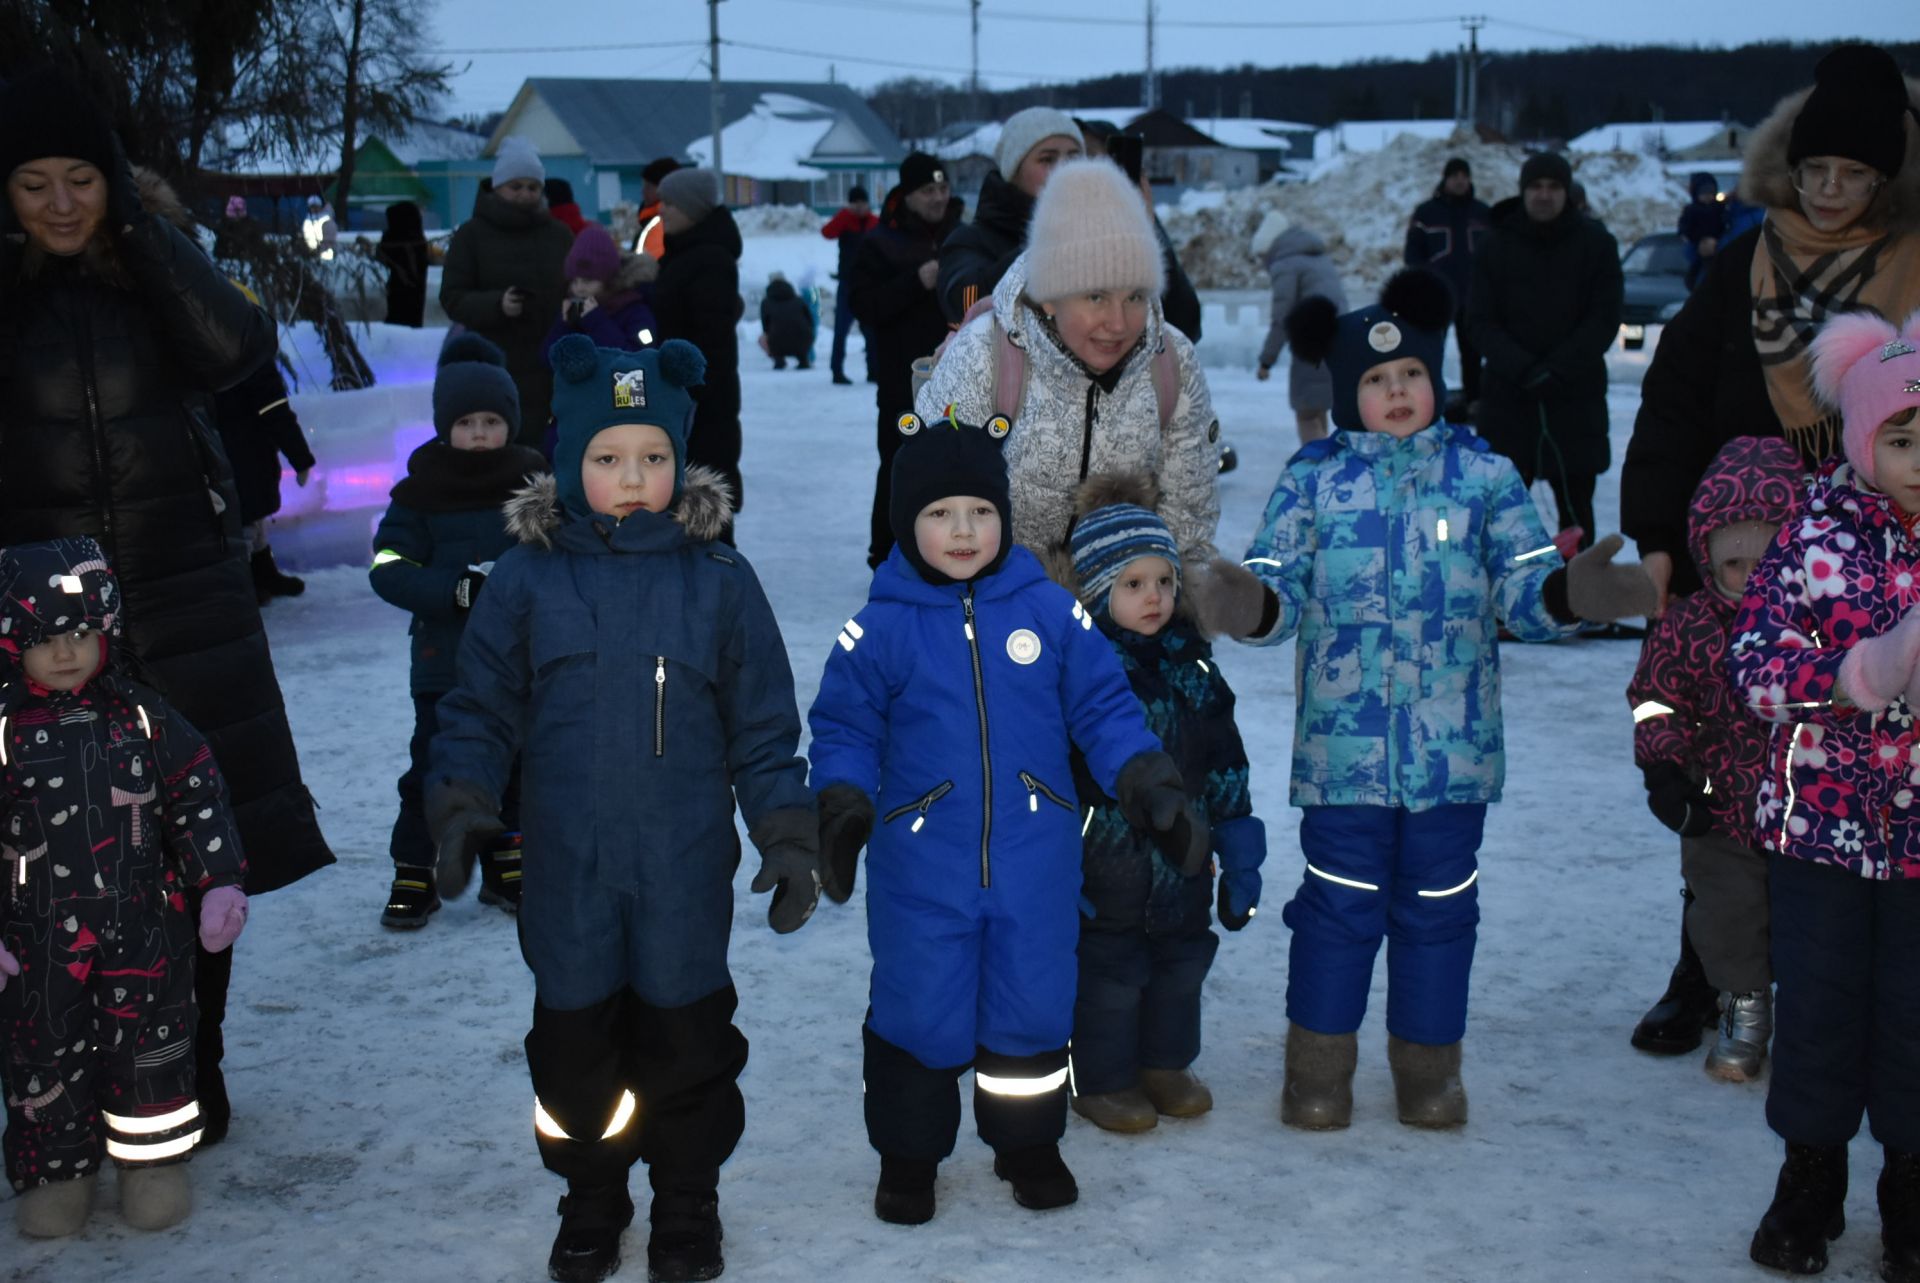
{"type": "Point", "coordinates": [1656, 285]}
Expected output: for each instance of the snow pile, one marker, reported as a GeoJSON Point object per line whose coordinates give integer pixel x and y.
{"type": "Point", "coordinates": [774, 141]}
{"type": "Point", "coordinates": [777, 220]}
{"type": "Point", "coordinates": [1361, 203]}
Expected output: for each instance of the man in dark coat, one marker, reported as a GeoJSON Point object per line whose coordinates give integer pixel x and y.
{"type": "Point", "coordinates": [1544, 308]}
{"type": "Point", "coordinates": [846, 230]}
{"type": "Point", "coordinates": [891, 284]}
{"type": "Point", "coordinates": [1446, 232]}
{"type": "Point", "coordinates": [1702, 224]}
{"type": "Point", "coordinates": [697, 298]}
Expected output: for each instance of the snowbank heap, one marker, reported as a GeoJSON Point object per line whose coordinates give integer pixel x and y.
{"type": "Point", "coordinates": [1361, 203]}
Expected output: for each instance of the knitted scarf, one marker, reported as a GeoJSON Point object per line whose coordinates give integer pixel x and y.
{"type": "Point", "coordinates": [1800, 277]}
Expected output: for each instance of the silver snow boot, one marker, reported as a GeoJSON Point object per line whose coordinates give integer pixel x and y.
{"type": "Point", "coordinates": [1746, 1022]}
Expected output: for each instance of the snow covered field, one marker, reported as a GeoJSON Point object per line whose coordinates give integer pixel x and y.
{"type": "Point", "coordinates": [382, 1123]}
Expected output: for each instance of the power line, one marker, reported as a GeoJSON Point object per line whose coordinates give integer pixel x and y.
{"type": "Point", "coordinates": [519, 49]}
{"type": "Point", "coordinates": [836, 56]}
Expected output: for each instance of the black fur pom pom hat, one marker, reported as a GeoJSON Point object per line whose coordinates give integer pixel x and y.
{"type": "Point", "coordinates": [1410, 320]}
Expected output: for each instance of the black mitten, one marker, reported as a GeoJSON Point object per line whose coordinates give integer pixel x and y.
{"type": "Point", "coordinates": [1153, 798]}
{"type": "Point", "coordinates": [789, 844]}
{"type": "Point", "coordinates": [1676, 801]}
{"type": "Point", "coordinates": [846, 821]}
{"type": "Point", "coordinates": [466, 589]}
{"type": "Point", "coordinates": [464, 821]}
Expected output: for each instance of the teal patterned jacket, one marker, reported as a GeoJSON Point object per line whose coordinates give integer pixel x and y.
{"type": "Point", "coordinates": [1392, 558]}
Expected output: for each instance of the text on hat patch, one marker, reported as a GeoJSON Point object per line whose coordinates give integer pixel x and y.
{"type": "Point", "coordinates": [629, 389]}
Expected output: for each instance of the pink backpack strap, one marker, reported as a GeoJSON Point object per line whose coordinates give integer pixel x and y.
{"type": "Point", "coordinates": [1009, 374]}
{"type": "Point", "coordinates": [1165, 372]}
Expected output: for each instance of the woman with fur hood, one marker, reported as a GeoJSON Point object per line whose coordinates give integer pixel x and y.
{"type": "Point", "coordinates": [1837, 167]}
{"type": "Point", "coordinates": [1078, 355]}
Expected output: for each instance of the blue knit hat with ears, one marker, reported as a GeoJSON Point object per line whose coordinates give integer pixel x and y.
{"type": "Point", "coordinates": [1410, 320]}
{"type": "Point", "coordinates": [598, 387]}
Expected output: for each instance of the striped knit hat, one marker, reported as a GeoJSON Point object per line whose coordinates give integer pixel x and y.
{"type": "Point", "coordinates": [1117, 526]}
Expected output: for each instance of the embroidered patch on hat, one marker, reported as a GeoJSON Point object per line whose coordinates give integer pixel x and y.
{"type": "Point", "coordinates": [1023, 646]}
{"type": "Point", "coordinates": [1898, 347]}
{"type": "Point", "coordinates": [1384, 337]}
{"type": "Point", "coordinates": [908, 424]}
{"type": "Point", "coordinates": [629, 389]}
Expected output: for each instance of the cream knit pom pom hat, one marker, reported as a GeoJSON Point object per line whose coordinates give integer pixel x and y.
{"type": "Point", "coordinates": [1090, 231]}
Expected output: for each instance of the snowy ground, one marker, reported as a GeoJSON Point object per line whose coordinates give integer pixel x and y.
{"type": "Point", "coordinates": [382, 1110]}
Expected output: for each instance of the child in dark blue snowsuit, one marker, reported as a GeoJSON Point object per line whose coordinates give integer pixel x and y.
{"type": "Point", "coordinates": [633, 664]}
{"type": "Point", "coordinates": [431, 556]}
{"type": "Point", "coordinates": [1146, 941]}
{"type": "Point", "coordinates": [949, 708]}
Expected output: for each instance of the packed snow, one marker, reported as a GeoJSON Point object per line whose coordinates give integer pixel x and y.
{"type": "Point", "coordinates": [382, 1122]}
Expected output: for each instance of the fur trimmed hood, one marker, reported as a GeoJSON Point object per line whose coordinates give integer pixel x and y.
{"type": "Point", "coordinates": [160, 200]}
{"type": "Point", "coordinates": [1764, 179]}
{"type": "Point", "coordinates": [704, 508]}
{"type": "Point", "coordinates": [1102, 490]}
{"type": "Point", "coordinates": [635, 270]}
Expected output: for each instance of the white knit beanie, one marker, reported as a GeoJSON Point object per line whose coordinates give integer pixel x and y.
{"type": "Point", "coordinates": [1271, 229]}
{"type": "Point", "coordinates": [1023, 132]}
{"type": "Point", "coordinates": [517, 159]}
{"type": "Point", "coordinates": [1090, 231]}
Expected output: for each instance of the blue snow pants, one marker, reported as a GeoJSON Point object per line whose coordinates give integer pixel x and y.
{"type": "Point", "coordinates": [1382, 871]}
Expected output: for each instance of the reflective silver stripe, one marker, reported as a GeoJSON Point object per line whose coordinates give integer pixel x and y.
{"type": "Point", "coordinates": [623, 1113]}
{"type": "Point", "coordinates": [3, 741]}
{"type": "Point", "coordinates": [1651, 708]}
{"type": "Point", "coordinates": [1020, 1086]}
{"type": "Point", "coordinates": [146, 727]}
{"type": "Point", "coordinates": [1264, 561]}
{"type": "Point", "coordinates": [273, 405]}
{"type": "Point", "coordinates": [1537, 552]}
{"type": "Point", "coordinates": [1436, 895]}
{"type": "Point", "coordinates": [386, 555]}
{"type": "Point", "coordinates": [152, 1151]}
{"type": "Point", "coordinates": [846, 642]}
{"type": "Point", "coordinates": [1345, 882]}
{"type": "Point", "coordinates": [854, 630]}
{"type": "Point", "coordinates": [150, 1126]}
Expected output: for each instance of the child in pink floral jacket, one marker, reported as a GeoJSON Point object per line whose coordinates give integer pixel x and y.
{"type": "Point", "coordinates": [1825, 647]}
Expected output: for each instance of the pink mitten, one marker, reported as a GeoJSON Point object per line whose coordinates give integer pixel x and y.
{"type": "Point", "coordinates": [8, 967]}
{"type": "Point", "coordinates": [223, 912]}
{"type": "Point", "coordinates": [1877, 670]}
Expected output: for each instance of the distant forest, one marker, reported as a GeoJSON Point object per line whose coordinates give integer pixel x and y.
{"type": "Point", "coordinates": [1533, 95]}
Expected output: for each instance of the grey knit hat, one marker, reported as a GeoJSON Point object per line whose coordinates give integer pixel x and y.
{"type": "Point", "coordinates": [1089, 232]}
{"type": "Point", "coordinates": [1023, 132]}
{"type": "Point", "coordinates": [694, 192]}
{"type": "Point", "coordinates": [517, 159]}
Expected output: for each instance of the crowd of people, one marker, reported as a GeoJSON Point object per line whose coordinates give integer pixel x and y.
{"type": "Point", "coordinates": [1025, 733]}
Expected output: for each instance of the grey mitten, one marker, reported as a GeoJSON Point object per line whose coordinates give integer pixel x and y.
{"type": "Point", "coordinates": [464, 821]}
{"type": "Point", "coordinates": [1228, 599]}
{"type": "Point", "coordinates": [789, 844]}
{"type": "Point", "coordinates": [1602, 592]}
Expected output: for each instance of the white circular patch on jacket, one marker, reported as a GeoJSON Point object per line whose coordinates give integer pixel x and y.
{"type": "Point", "coordinates": [1023, 646]}
{"type": "Point", "coordinates": [1384, 337]}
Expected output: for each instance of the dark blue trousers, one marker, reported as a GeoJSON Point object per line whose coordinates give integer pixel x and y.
{"type": "Point", "coordinates": [842, 322]}
{"type": "Point", "coordinates": [1138, 1005]}
{"type": "Point", "coordinates": [1374, 872]}
{"type": "Point", "coordinates": [1846, 954]}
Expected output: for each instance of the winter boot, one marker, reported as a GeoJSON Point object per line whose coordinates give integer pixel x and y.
{"type": "Point", "coordinates": [411, 899]}
{"type": "Point", "coordinates": [216, 1111]}
{"type": "Point", "coordinates": [1741, 1048]}
{"type": "Point", "coordinates": [1118, 1111]}
{"type": "Point", "coordinates": [1318, 1093]}
{"type": "Point", "coordinates": [500, 873]}
{"type": "Point", "coordinates": [1177, 1093]}
{"type": "Point", "coordinates": [155, 1198]}
{"type": "Point", "coordinates": [1672, 1027]}
{"type": "Point", "coordinates": [1426, 1083]}
{"type": "Point", "coordinates": [270, 581]}
{"type": "Point", "coordinates": [685, 1243]}
{"type": "Point", "coordinates": [1807, 1212]}
{"type": "Point", "coordinates": [1039, 1177]}
{"type": "Point", "coordinates": [587, 1248]}
{"type": "Point", "coordinates": [57, 1210]}
{"type": "Point", "coordinates": [1899, 1193]}
{"type": "Point", "coordinates": [905, 1195]}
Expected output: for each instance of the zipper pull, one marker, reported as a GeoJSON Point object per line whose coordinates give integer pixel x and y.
{"type": "Point", "coordinates": [1033, 796]}
{"type": "Point", "coordinates": [966, 603]}
{"type": "Point", "coordinates": [659, 670]}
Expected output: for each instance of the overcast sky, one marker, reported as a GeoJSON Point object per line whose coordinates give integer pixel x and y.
{"type": "Point", "coordinates": [501, 42]}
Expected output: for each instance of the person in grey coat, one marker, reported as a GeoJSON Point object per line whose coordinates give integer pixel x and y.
{"type": "Point", "coordinates": [1299, 267]}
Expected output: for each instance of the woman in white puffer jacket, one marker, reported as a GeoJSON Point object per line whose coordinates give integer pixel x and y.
{"type": "Point", "coordinates": [1102, 369]}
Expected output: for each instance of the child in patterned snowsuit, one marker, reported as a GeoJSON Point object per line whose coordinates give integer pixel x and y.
{"type": "Point", "coordinates": [432, 553]}
{"type": "Point", "coordinates": [1825, 649]}
{"type": "Point", "coordinates": [111, 812]}
{"type": "Point", "coordinates": [1703, 755]}
{"type": "Point", "coordinates": [1146, 942]}
{"type": "Point", "coordinates": [1394, 548]}
{"type": "Point", "coordinates": [949, 707]}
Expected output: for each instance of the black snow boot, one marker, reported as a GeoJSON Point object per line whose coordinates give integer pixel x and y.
{"type": "Point", "coordinates": [1039, 1177]}
{"type": "Point", "coordinates": [1807, 1211]}
{"type": "Point", "coordinates": [500, 873]}
{"type": "Point", "coordinates": [1899, 1192]}
{"type": "Point", "coordinates": [411, 899]}
{"type": "Point", "coordinates": [685, 1243]}
{"type": "Point", "coordinates": [587, 1248]}
{"type": "Point", "coordinates": [905, 1196]}
{"type": "Point", "coordinates": [1688, 1008]}
{"type": "Point", "coordinates": [270, 581]}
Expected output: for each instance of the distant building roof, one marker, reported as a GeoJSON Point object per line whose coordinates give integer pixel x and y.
{"type": "Point", "coordinates": [427, 141]}
{"type": "Point", "coordinates": [1249, 134]}
{"type": "Point", "coordinates": [774, 141]}
{"type": "Point", "coordinates": [1649, 137]}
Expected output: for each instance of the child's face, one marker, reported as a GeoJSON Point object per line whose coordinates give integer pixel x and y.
{"type": "Point", "coordinates": [628, 468]}
{"type": "Point", "coordinates": [482, 430]}
{"type": "Point", "coordinates": [1735, 550]}
{"type": "Point", "coordinates": [582, 287]}
{"type": "Point", "coordinates": [1896, 460]}
{"type": "Point", "coordinates": [1142, 597]}
{"type": "Point", "coordinates": [958, 535]}
{"type": "Point", "coordinates": [1396, 397]}
{"type": "Point", "coordinates": [65, 661]}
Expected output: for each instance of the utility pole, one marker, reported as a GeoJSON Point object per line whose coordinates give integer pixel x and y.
{"type": "Point", "coordinates": [1473, 26]}
{"type": "Point", "coordinates": [1460, 87]}
{"type": "Point", "coordinates": [715, 95]}
{"type": "Point", "coordinates": [1148, 99]}
{"type": "Point", "coordinates": [973, 82]}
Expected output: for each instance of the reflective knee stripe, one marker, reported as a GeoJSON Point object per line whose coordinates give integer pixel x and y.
{"type": "Point", "coordinates": [999, 1086]}
{"type": "Point", "coordinates": [1471, 879]}
{"type": "Point", "coordinates": [623, 1113]}
{"type": "Point", "coordinates": [152, 1139]}
{"type": "Point", "coordinates": [1652, 708]}
{"type": "Point", "coordinates": [1537, 552]}
{"type": "Point", "coordinates": [1345, 882]}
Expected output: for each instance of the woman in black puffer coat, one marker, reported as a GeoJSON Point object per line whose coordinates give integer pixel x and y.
{"type": "Point", "coordinates": [114, 332]}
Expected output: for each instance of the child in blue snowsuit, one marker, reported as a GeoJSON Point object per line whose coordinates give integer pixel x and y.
{"type": "Point", "coordinates": [1394, 548]}
{"type": "Point", "coordinates": [949, 708]}
{"type": "Point", "coordinates": [431, 556]}
{"type": "Point", "coordinates": [633, 664]}
{"type": "Point", "coordinates": [1146, 942]}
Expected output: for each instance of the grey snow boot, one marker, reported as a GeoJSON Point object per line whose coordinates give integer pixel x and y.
{"type": "Point", "coordinates": [1177, 1093]}
{"type": "Point", "coordinates": [1318, 1092]}
{"type": "Point", "coordinates": [1741, 1049]}
{"type": "Point", "coordinates": [1118, 1111]}
{"type": "Point", "coordinates": [57, 1210]}
{"type": "Point", "coordinates": [154, 1198]}
{"type": "Point", "coordinates": [1426, 1083]}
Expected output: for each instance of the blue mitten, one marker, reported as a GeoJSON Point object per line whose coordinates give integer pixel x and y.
{"type": "Point", "coordinates": [1242, 847]}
